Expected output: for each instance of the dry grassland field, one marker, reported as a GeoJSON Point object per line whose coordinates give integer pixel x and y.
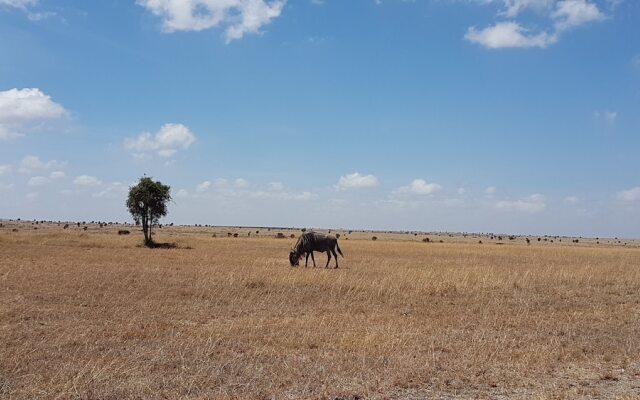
{"type": "Point", "coordinates": [90, 314]}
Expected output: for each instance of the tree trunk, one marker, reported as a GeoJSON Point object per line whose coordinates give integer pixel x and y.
{"type": "Point", "coordinates": [145, 228]}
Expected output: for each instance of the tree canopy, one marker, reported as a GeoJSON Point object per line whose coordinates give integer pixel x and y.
{"type": "Point", "coordinates": [147, 203]}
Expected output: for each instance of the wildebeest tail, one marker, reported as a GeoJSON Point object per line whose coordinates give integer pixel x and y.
{"type": "Point", "coordinates": [338, 248]}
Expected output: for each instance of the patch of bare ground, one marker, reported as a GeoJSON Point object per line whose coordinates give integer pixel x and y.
{"type": "Point", "coordinates": [94, 315]}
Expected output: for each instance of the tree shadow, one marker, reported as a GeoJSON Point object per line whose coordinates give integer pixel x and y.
{"type": "Point", "coordinates": [166, 246]}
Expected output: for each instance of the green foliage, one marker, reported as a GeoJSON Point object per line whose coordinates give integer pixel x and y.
{"type": "Point", "coordinates": [147, 203]}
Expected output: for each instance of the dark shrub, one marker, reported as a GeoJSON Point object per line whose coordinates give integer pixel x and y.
{"type": "Point", "coordinates": [123, 232]}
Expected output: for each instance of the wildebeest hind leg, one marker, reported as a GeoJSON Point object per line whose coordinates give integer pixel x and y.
{"type": "Point", "coordinates": [306, 260]}
{"type": "Point", "coordinates": [328, 258]}
{"type": "Point", "coordinates": [313, 259]}
{"type": "Point", "coordinates": [335, 256]}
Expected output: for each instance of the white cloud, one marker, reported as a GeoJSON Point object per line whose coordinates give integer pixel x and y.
{"type": "Point", "coordinates": [40, 16]}
{"type": "Point", "coordinates": [420, 187]}
{"type": "Point", "coordinates": [87, 180]}
{"type": "Point", "coordinates": [57, 175]}
{"type": "Point", "coordinates": [461, 191]}
{"type": "Point", "coordinates": [609, 117]}
{"type": "Point", "coordinates": [169, 139]}
{"type": "Point", "coordinates": [531, 205]}
{"type": "Point", "coordinates": [5, 169]}
{"type": "Point", "coordinates": [113, 190]}
{"type": "Point", "coordinates": [276, 186]}
{"type": "Point", "coordinates": [514, 7]}
{"type": "Point", "coordinates": [220, 182]}
{"type": "Point", "coordinates": [490, 191]}
{"type": "Point", "coordinates": [508, 35]}
{"type": "Point", "coordinates": [571, 200]}
{"type": "Point", "coordinates": [630, 195]}
{"type": "Point", "coordinates": [238, 17]}
{"type": "Point", "coordinates": [6, 186]}
{"type": "Point", "coordinates": [32, 196]}
{"type": "Point", "coordinates": [572, 13]}
{"type": "Point", "coordinates": [241, 183]}
{"type": "Point", "coordinates": [203, 187]}
{"type": "Point", "coordinates": [182, 193]}
{"type": "Point", "coordinates": [34, 163]}
{"type": "Point", "coordinates": [18, 3]}
{"type": "Point", "coordinates": [22, 109]}
{"type": "Point", "coordinates": [282, 195]}
{"type": "Point", "coordinates": [356, 181]}
{"type": "Point", "coordinates": [562, 14]}
{"type": "Point", "coordinates": [38, 181]}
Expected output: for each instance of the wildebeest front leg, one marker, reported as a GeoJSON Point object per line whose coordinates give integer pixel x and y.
{"type": "Point", "coordinates": [306, 260]}
{"type": "Point", "coordinates": [335, 256]}
{"type": "Point", "coordinates": [328, 258]}
{"type": "Point", "coordinates": [313, 259]}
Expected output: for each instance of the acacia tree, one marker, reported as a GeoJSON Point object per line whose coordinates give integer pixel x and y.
{"type": "Point", "coordinates": [147, 203]}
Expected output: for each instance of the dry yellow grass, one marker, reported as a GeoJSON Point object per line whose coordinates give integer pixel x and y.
{"type": "Point", "coordinates": [93, 315]}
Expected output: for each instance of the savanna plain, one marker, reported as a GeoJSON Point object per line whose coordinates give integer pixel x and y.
{"type": "Point", "coordinates": [90, 314]}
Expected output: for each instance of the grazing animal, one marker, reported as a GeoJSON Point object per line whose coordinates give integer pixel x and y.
{"type": "Point", "coordinates": [310, 242]}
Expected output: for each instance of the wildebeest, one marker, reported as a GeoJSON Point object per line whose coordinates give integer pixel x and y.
{"type": "Point", "coordinates": [310, 242]}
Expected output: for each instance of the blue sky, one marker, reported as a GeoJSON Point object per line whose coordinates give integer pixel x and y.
{"type": "Point", "coordinates": [460, 115]}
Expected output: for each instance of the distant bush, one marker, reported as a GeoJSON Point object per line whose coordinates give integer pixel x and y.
{"type": "Point", "coordinates": [293, 236]}
{"type": "Point", "coordinates": [426, 240]}
{"type": "Point", "coordinates": [14, 230]}
{"type": "Point", "coordinates": [479, 241]}
{"type": "Point", "coordinates": [84, 228]}
{"type": "Point", "coordinates": [374, 238]}
{"type": "Point", "coordinates": [123, 232]}
{"type": "Point", "coordinates": [229, 234]}
{"type": "Point", "coordinates": [235, 235]}
{"type": "Point", "coordinates": [280, 235]}
{"type": "Point", "coordinates": [337, 236]}
{"type": "Point", "coordinates": [66, 226]}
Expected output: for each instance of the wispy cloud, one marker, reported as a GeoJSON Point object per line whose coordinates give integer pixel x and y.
{"type": "Point", "coordinates": [630, 195]}
{"type": "Point", "coordinates": [531, 205]}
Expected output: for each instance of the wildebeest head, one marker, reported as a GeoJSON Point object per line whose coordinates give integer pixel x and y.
{"type": "Point", "coordinates": [294, 258]}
